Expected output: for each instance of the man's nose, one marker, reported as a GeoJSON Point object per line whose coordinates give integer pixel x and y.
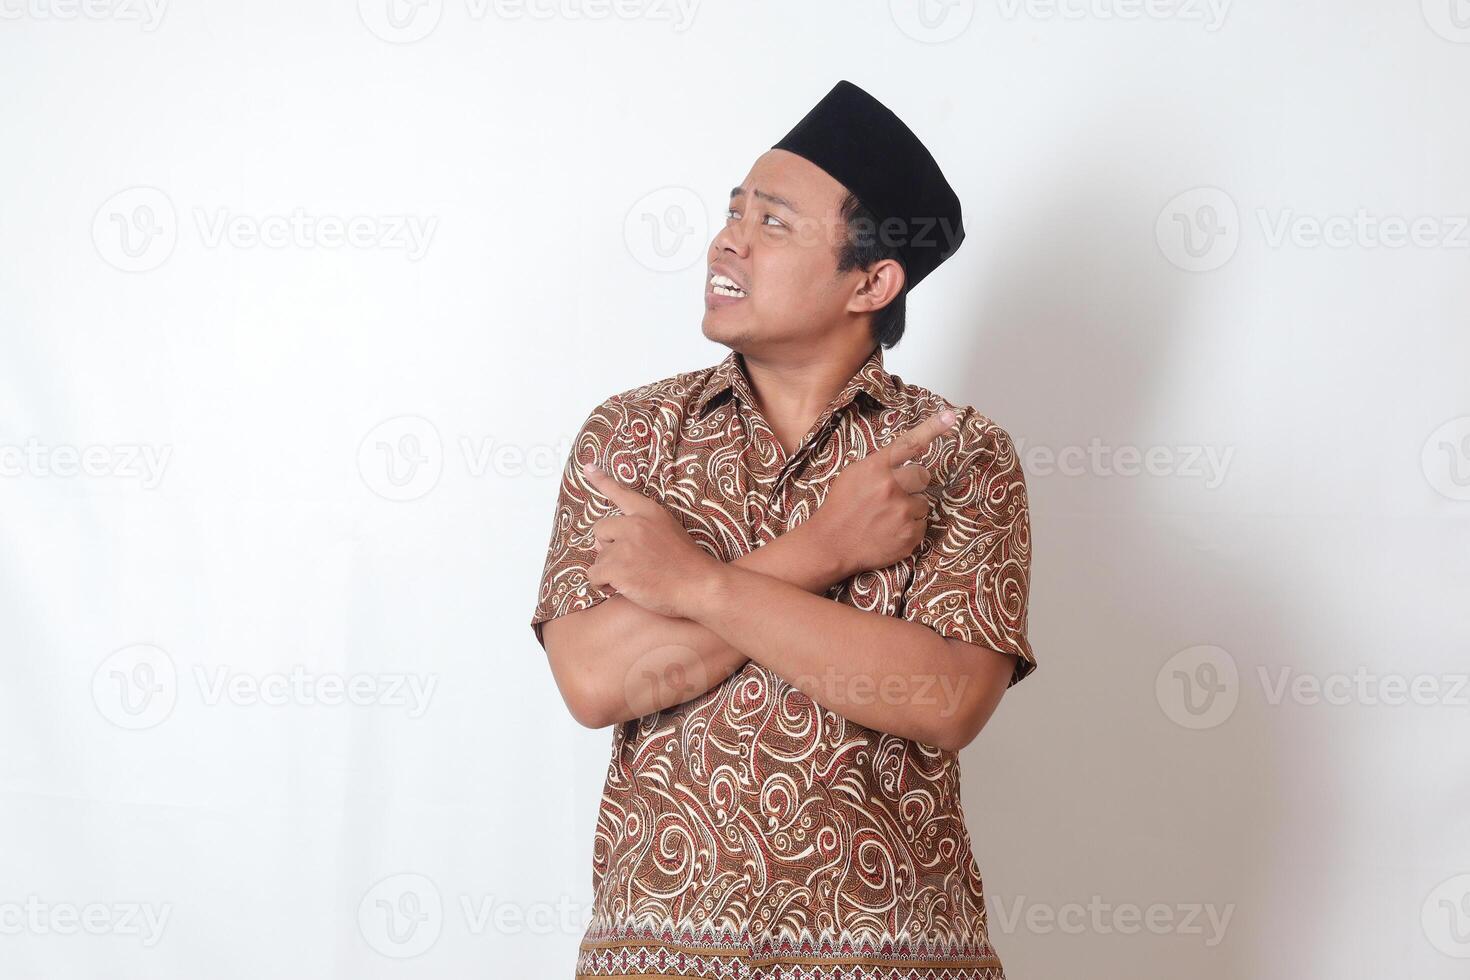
{"type": "Point", "coordinates": [732, 238]}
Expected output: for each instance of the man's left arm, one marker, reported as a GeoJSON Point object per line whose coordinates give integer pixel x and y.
{"type": "Point", "coordinates": [880, 671]}
{"type": "Point", "coordinates": [936, 671]}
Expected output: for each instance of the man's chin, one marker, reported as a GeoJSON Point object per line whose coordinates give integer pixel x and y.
{"type": "Point", "coordinates": [718, 328]}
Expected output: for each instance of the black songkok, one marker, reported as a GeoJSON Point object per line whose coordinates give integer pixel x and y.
{"type": "Point", "coordinates": [869, 150]}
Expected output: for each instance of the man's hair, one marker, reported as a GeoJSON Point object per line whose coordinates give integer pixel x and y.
{"type": "Point", "coordinates": [864, 247]}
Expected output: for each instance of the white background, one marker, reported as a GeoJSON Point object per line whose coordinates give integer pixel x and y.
{"type": "Point", "coordinates": [356, 449]}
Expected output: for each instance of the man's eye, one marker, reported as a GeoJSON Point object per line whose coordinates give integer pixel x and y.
{"type": "Point", "coordinates": [732, 213]}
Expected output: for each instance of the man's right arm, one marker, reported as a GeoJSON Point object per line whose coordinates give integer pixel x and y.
{"type": "Point", "coordinates": [616, 660]}
{"type": "Point", "coordinates": [612, 659]}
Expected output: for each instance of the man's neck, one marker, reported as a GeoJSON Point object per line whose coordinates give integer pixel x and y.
{"type": "Point", "coordinates": [792, 391]}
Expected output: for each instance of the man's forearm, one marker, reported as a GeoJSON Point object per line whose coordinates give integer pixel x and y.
{"type": "Point", "coordinates": [880, 671]}
{"type": "Point", "coordinates": [618, 661]}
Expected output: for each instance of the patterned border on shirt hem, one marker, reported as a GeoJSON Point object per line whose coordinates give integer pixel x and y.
{"type": "Point", "coordinates": [611, 960]}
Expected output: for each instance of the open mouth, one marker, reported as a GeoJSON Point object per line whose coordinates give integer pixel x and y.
{"type": "Point", "coordinates": [725, 286]}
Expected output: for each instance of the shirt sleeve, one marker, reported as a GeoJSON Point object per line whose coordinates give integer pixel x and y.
{"type": "Point", "coordinates": [972, 572]}
{"type": "Point", "coordinates": [602, 439]}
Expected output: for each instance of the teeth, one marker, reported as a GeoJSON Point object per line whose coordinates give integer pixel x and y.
{"type": "Point", "coordinates": [725, 286]}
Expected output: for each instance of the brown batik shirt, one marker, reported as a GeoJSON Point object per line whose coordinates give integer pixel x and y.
{"type": "Point", "coordinates": [749, 832]}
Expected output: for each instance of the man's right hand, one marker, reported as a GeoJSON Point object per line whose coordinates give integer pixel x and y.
{"type": "Point", "coordinates": [876, 512]}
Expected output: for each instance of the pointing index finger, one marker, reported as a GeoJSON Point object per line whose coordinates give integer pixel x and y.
{"type": "Point", "coordinates": [626, 499]}
{"type": "Point", "coordinates": [916, 440]}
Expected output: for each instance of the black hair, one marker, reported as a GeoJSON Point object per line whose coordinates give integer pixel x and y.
{"type": "Point", "coordinates": [864, 247]}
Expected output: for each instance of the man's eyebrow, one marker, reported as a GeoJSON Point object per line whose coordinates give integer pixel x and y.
{"type": "Point", "coordinates": [774, 199]}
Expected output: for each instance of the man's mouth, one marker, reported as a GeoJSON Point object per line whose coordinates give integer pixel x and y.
{"type": "Point", "coordinates": [725, 286]}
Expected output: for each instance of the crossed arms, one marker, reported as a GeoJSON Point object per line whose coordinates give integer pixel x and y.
{"type": "Point", "coordinates": [683, 621]}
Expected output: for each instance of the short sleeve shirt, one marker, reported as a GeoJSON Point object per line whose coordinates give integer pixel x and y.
{"type": "Point", "coordinates": [750, 832]}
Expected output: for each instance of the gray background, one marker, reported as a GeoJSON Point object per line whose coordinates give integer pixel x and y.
{"type": "Point", "coordinates": [1187, 242]}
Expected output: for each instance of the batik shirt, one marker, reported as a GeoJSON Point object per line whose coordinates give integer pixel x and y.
{"type": "Point", "coordinates": [749, 832]}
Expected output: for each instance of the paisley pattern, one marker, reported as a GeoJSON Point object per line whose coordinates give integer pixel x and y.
{"type": "Point", "coordinates": [749, 832]}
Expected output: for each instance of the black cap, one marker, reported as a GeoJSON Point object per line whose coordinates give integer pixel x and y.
{"type": "Point", "coordinates": [868, 149]}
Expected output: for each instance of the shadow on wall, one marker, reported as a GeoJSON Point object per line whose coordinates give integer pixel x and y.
{"type": "Point", "coordinates": [1103, 797]}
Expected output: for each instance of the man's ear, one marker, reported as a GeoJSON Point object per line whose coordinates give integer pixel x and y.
{"type": "Point", "coordinates": [879, 287]}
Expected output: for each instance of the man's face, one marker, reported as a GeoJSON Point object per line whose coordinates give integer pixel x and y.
{"type": "Point", "coordinates": [780, 243]}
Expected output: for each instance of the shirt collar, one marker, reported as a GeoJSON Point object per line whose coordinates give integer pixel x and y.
{"type": "Point", "coordinates": [870, 378]}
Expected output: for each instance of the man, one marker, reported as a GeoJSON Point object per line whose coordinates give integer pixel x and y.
{"type": "Point", "coordinates": [798, 586]}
